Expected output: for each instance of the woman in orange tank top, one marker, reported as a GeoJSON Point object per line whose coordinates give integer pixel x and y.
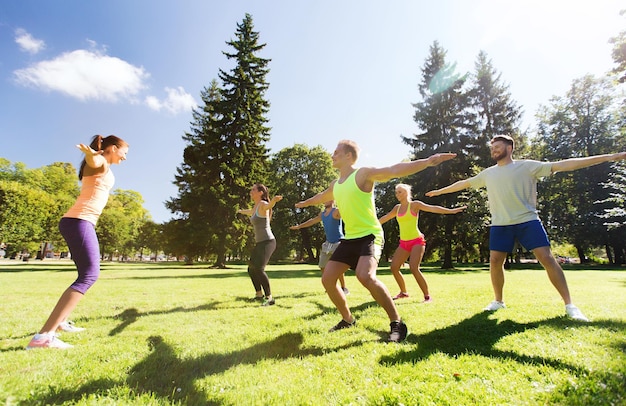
{"type": "Point", "coordinates": [78, 227]}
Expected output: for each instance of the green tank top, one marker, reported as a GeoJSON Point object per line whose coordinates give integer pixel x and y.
{"type": "Point", "coordinates": [357, 209]}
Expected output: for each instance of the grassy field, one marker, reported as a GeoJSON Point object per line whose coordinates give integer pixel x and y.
{"type": "Point", "coordinates": [168, 333]}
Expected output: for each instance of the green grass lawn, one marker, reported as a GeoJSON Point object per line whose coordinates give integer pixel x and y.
{"type": "Point", "coordinates": [172, 334]}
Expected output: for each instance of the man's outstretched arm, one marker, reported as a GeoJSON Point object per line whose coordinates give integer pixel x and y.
{"type": "Point", "coordinates": [572, 164]}
{"type": "Point", "coordinates": [455, 187]}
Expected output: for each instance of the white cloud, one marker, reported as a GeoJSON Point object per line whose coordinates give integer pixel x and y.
{"type": "Point", "coordinates": [85, 75]}
{"type": "Point", "coordinates": [27, 43]}
{"type": "Point", "coordinates": [177, 100]}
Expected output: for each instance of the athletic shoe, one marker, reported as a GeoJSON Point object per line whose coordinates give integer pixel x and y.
{"type": "Point", "coordinates": [401, 295]}
{"type": "Point", "coordinates": [495, 305]}
{"type": "Point", "coordinates": [258, 298]}
{"type": "Point", "coordinates": [574, 313]}
{"type": "Point", "coordinates": [399, 331]}
{"type": "Point", "coordinates": [47, 340]}
{"type": "Point", "coordinates": [345, 291]}
{"type": "Point", "coordinates": [268, 302]}
{"type": "Point", "coordinates": [342, 324]}
{"type": "Point", "coordinates": [69, 327]}
{"type": "Point", "coordinates": [427, 299]}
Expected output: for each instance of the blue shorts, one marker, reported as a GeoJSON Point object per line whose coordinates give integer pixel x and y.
{"type": "Point", "coordinates": [530, 234]}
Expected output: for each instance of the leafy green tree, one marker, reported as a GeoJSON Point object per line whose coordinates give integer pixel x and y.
{"type": "Point", "coordinates": [299, 172]}
{"type": "Point", "coordinates": [26, 213]}
{"type": "Point", "coordinates": [446, 124]}
{"type": "Point", "coordinates": [150, 237]}
{"type": "Point", "coordinates": [619, 53]}
{"type": "Point", "coordinates": [119, 224]}
{"type": "Point", "coordinates": [580, 124]}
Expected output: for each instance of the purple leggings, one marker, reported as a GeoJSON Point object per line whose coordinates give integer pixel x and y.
{"type": "Point", "coordinates": [82, 241]}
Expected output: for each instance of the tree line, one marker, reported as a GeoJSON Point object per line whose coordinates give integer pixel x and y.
{"type": "Point", "coordinates": [226, 152]}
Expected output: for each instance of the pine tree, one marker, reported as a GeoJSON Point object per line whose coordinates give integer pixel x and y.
{"type": "Point", "coordinates": [496, 111]}
{"type": "Point", "coordinates": [226, 152]}
{"type": "Point", "coordinates": [446, 125]}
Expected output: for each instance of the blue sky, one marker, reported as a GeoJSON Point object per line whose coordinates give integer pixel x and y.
{"type": "Point", "coordinates": [340, 69]}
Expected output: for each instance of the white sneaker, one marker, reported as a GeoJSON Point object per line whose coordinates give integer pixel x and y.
{"type": "Point", "coordinates": [47, 340]}
{"type": "Point", "coordinates": [575, 313]}
{"type": "Point", "coordinates": [69, 327]}
{"type": "Point", "coordinates": [495, 305]}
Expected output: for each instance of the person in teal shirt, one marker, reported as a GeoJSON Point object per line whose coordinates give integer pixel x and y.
{"type": "Point", "coordinates": [361, 248]}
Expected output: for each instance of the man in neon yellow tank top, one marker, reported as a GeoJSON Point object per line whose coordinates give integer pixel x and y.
{"type": "Point", "coordinates": [360, 250]}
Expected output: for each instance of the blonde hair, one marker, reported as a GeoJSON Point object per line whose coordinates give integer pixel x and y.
{"type": "Point", "coordinates": [405, 187]}
{"type": "Point", "coordinates": [351, 147]}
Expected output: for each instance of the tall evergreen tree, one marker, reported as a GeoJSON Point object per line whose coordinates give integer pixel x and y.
{"type": "Point", "coordinates": [226, 152]}
{"type": "Point", "coordinates": [496, 111]}
{"type": "Point", "coordinates": [446, 125]}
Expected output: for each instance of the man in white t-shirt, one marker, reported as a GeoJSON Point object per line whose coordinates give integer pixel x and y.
{"type": "Point", "coordinates": [512, 194]}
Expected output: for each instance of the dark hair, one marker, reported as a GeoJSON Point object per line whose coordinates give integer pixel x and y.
{"type": "Point", "coordinates": [504, 138]}
{"type": "Point", "coordinates": [100, 143]}
{"type": "Point", "coordinates": [264, 190]}
{"type": "Point", "coordinates": [265, 193]}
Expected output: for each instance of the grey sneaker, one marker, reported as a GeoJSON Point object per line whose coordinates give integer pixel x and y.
{"type": "Point", "coordinates": [399, 331]}
{"type": "Point", "coordinates": [342, 324]}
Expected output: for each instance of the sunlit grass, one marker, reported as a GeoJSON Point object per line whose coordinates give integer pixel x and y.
{"type": "Point", "coordinates": [168, 333]}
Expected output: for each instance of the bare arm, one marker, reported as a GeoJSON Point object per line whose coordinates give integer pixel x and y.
{"type": "Point", "coordinates": [267, 206]}
{"type": "Point", "coordinates": [406, 168]}
{"type": "Point", "coordinates": [307, 223]}
{"type": "Point", "coordinates": [93, 159]}
{"type": "Point", "coordinates": [436, 209]}
{"type": "Point", "coordinates": [319, 198]}
{"type": "Point", "coordinates": [572, 164]}
{"type": "Point", "coordinates": [455, 187]}
{"type": "Point", "coordinates": [389, 215]}
{"type": "Point", "coordinates": [247, 212]}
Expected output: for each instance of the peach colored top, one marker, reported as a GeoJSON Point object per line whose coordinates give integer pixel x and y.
{"type": "Point", "coordinates": [94, 194]}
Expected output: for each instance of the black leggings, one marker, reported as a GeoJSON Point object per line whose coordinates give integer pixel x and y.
{"type": "Point", "coordinates": [261, 254]}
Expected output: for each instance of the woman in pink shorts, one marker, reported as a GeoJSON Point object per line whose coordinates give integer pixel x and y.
{"type": "Point", "coordinates": [412, 242]}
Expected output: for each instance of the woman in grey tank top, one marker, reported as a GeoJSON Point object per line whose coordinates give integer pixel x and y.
{"type": "Point", "coordinates": [260, 216]}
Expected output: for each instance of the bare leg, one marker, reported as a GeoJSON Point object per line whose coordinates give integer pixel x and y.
{"type": "Point", "coordinates": [329, 279]}
{"type": "Point", "coordinates": [399, 258]}
{"type": "Point", "coordinates": [496, 268]}
{"type": "Point", "coordinates": [342, 281]}
{"type": "Point", "coordinates": [64, 307]}
{"type": "Point", "coordinates": [417, 253]}
{"type": "Point", "coordinates": [366, 274]}
{"type": "Point", "coordinates": [555, 272]}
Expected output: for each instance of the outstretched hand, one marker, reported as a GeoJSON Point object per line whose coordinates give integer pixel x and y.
{"type": "Point", "coordinates": [458, 209]}
{"type": "Point", "coordinates": [87, 150]}
{"type": "Point", "coordinates": [436, 159]}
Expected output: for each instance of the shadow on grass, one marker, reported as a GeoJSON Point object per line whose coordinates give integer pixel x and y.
{"type": "Point", "coordinates": [162, 374]}
{"type": "Point", "coordinates": [479, 334]}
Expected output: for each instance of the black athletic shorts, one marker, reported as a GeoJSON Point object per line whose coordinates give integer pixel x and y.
{"type": "Point", "coordinates": [349, 251]}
